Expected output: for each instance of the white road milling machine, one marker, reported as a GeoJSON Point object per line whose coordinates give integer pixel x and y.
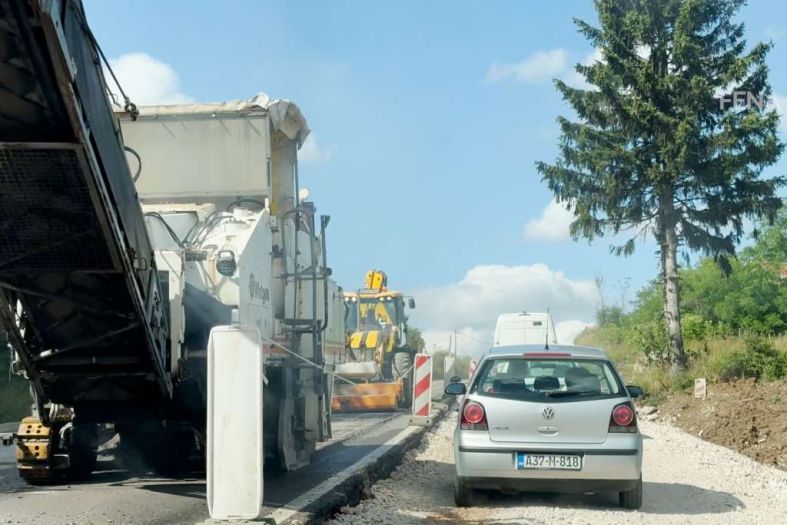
{"type": "Point", "coordinates": [219, 189]}
{"type": "Point", "coordinates": [125, 239]}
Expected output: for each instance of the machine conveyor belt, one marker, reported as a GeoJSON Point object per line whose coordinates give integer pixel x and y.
{"type": "Point", "coordinates": [79, 291]}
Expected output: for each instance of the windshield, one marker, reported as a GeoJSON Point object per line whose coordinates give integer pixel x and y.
{"type": "Point", "coordinates": [542, 379]}
{"type": "Point", "coordinates": [373, 314]}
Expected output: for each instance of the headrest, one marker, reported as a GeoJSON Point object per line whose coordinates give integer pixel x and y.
{"type": "Point", "coordinates": [546, 383]}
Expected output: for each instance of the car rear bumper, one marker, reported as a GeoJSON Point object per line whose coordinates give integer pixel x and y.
{"type": "Point", "coordinates": [617, 465]}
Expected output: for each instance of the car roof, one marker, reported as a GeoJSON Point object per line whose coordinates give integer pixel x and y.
{"type": "Point", "coordinates": [518, 350]}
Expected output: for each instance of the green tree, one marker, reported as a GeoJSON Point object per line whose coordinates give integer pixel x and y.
{"type": "Point", "coordinates": [654, 150]}
{"type": "Point", "coordinates": [609, 316]}
{"type": "Point", "coordinates": [414, 339]}
{"type": "Point", "coordinates": [771, 246]}
{"type": "Point", "coordinates": [752, 297]}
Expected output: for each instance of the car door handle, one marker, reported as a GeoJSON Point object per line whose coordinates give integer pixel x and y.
{"type": "Point", "coordinates": [547, 430]}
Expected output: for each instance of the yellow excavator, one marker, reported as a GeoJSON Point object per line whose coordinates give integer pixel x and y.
{"type": "Point", "coordinates": [375, 372]}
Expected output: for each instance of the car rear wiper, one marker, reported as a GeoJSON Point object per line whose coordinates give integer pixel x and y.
{"type": "Point", "coordinates": [566, 393]}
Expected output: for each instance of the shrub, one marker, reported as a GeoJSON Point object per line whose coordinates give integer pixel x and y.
{"type": "Point", "coordinates": [758, 359]}
{"type": "Point", "coordinates": [681, 381]}
{"type": "Point", "coordinates": [695, 327]}
{"type": "Point", "coordinates": [609, 316]}
{"type": "Point", "coordinates": [650, 338]}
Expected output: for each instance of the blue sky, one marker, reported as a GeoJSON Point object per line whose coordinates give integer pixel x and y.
{"type": "Point", "coordinates": [427, 119]}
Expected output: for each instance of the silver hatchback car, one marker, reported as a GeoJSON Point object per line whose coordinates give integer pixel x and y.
{"type": "Point", "coordinates": [549, 420]}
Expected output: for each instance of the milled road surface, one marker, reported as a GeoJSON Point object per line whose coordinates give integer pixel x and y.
{"type": "Point", "coordinates": [686, 480]}
{"type": "Point", "coordinates": [113, 496]}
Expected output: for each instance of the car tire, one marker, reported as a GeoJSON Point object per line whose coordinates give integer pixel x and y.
{"type": "Point", "coordinates": [632, 499]}
{"type": "Point", "coordinates": [463, 495]}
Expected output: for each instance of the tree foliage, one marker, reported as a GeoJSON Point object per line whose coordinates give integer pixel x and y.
{"type": "Point", "coordinates": [653, 151]}
{"type": "Point", "coordinates": [751, 299]}
{"type": "Point", "coordinates": [414, 339]}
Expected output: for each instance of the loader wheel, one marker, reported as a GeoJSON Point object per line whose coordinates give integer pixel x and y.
{"type": "Point", "coordinates": [402, 368]}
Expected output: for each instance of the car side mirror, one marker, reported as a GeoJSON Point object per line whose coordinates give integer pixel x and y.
{"type": "Point", "coordinates": [634, 391]}
{"type": "Point", "coordinates": [411, 303]}
{"type": "Point", "coordinates": [455, 389]}
{"type": "Point", "coordinates": [455, 379]}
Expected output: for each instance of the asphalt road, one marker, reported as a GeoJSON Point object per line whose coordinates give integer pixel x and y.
{"type": "Point", "coordinates": [113, 496]}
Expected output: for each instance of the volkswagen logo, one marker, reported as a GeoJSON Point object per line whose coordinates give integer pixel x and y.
{"type": "Point", "coordinates": [548, 413]}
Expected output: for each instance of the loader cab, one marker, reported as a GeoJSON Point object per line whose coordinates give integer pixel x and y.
{"type": "Point", "coordinates": [374, 311]}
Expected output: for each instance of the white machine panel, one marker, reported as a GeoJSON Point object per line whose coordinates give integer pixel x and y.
{"type": "Point", "coordinates": [255, 295]}
{"type": "Point", "coordinates": [200, 155]}
{"type": "Point", "coordinates": [235, 423]}
{"type": "Point", "coordinates": [172, 262]}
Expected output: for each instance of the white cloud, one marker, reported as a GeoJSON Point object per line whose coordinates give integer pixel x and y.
{"type": "Point", "coordinates": [552, 226]}
{"type": "Point", "coordinates": [539, 67]}
{"type": "Point", "coordinates": [147, 81]}
{"type": "Point", "coordinates": [312, 152]}
{"type": "Point", "coordinates": [545, 65]}
{"type": "Point", "coordinates": [472, 304]}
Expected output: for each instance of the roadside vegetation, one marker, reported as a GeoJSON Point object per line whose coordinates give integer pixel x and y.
{"type": "Point", "coordinates": [462, 364]}
{"type": "Point", "coordinates": [416, 341]}
{"type": "Point", "coordinates": [14, 395]}
{"type": "Point", "coordinates": [734, 325]}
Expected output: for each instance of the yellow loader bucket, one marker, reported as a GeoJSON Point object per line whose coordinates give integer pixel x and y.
{"type": "Point", "coordinates": [366, 397]}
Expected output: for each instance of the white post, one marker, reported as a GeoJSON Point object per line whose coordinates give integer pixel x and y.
{"type": "Point", "coordinates": [234, 452]}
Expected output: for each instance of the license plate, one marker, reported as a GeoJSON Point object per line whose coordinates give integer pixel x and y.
{"type": "Point", "coordinates": [527, 461]}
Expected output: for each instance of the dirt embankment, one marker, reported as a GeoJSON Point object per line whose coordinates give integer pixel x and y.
{"type": "Point", "coordinates": [746, 416]}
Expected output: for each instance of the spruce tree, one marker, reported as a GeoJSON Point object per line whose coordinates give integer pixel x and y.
{"type": "Point", "coordinates": [671, 136]}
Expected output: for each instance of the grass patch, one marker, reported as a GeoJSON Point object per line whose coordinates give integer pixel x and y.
{"type": "Point", "coordinates": [714, 358]}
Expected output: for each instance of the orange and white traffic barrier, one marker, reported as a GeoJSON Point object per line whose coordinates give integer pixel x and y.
{"type": "Point", "coordinates": [422, 386]}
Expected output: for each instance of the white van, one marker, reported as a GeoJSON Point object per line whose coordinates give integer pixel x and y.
{"type": "Point", "coordinates": [524, 328]}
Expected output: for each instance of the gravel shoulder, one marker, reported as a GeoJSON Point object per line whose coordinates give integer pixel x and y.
{"type": "Point", "coordinates": [686, 480]}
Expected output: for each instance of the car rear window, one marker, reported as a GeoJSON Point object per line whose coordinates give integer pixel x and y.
{"type": "Point", "coordinates": [547, 379]}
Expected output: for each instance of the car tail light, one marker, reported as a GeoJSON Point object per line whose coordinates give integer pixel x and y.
{"type": "Point", "coordinates": [473, 417]}
{"type": "Point", "coordinates": [623, 418]}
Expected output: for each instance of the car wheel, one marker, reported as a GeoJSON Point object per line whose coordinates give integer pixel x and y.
{"type": "Point", "coordinates": [463, 495]}
{"type": "Point", "coordinates": [632, 499]}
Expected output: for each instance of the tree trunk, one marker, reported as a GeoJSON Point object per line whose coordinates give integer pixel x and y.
{"type": "Point", "coordinates": [669, 261]}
